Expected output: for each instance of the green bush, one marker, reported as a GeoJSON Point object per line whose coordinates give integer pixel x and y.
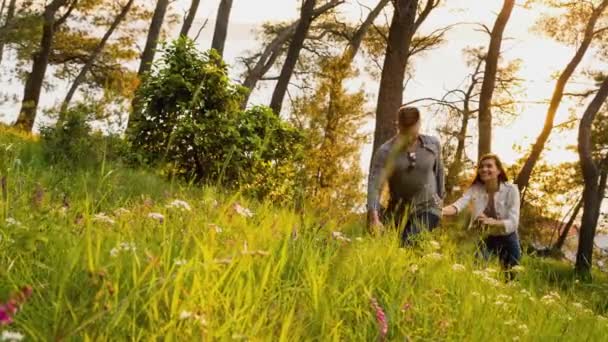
{"type": "Point", "coordinates": [72, 141]}
{"type": "Point", "coordinates": [190, 123]}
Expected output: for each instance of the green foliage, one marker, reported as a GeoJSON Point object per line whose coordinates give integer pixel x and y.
{"type": "Point", "coordinates": [71, 141]}
{"type": "Point", "coordinates": [191, 124]}
{"type": "Point", "coordinates": [332, 117]}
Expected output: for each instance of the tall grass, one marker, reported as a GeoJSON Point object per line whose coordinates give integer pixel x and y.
{"type": "Point", "coordinates": [211, 272]}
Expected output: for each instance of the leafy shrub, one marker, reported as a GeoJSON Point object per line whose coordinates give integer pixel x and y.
{"type": "Point", "coordinates": [72, 141]}
{"type": "Point", "coordinates": [190, 123]}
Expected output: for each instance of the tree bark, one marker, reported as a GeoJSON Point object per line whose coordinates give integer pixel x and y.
{"type": "Point", "coordinates": [221, 26]}
{"type": "Point", "coordinates": [355, 42]}
{"type": "Point", "coordinates": [273, 50]}
{"type": "Point", "coordinates": [189, 18]}
{"type": "Point", "coordinates": [558, 93]}
{"type": "Point", "coordinates": [559, 244]}
{"type": "Point", "coordinates": [40, 59]}
{"type": "Point", "coordinates": [10, 14]}
{"type": "Point", "coordinates": [98, 49]}
{"type": "Point", "coordinates": [591, 197]}
{"type": "Point", "coordinates": [156, 24]}
{"type": "Point", "coordinates": [293, 53]}
{"type": "Point", "coordinates": [489, 78]}
{"type": "Point", "coordinates": [390, 95]}
{"type": "Point", "coordinates": [147, 56]}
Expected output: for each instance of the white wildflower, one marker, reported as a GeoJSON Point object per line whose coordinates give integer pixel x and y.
{"type": "Point", "coordinates": [490, 270]}
{"type": "Point", "coordinates": [510, 322]}
{"type": "Point", "coordinates": [180, 262]}
{"type": "Point", "coordinates": [179, 204]}
{"type": "Point", "coordinates": [458, 268]}
{"type": "Point", "coordinates": [101, 217]}
{"type": "Point", "coordinates": [523, 328]}
{"type": "Point", "coordinates": [11, 336]}
{"type": "Point", "coordinates": [359, 239]}
{"type": "Point", "coordinates": [157, 216]}
{"type": "Point", "coordinates": [578, 305]}
{"type": "Point", "coordinates": [114, 252]}
{"type": "Point", "coordinates": [479, 273]}
{"type": "Point", "coordinates": [504, 297]}
{"type": "Point", "coordinates": [185, 315]}
{"type": "Point", "coordinates": [435, 245]}
{"type": "Point", "coordinates": [588, 311]}
{"type": "Point", "coordinates": [414, 268]}
{"type": "Point", "coordinates": [340, 237]}
{"type": "Point", "coordinates": [12, 222]}
{"type": "Point", "coordinates": [217, 228]}
{"type": "Point", "coordinates": [518, 268]}
{"type": "Point", "coordinates": [602, 318]}
{"type": "Point", "coordinates": [245, 212]}
{"type": "Point", "coordinates": [526, 292]}
{"type": "Point", "coordinates": [121, 212]}
{"type": "Point", "coordinates": [434, 256]}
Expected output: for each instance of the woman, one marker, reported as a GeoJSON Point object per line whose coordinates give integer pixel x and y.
{"type": "Point", "coordinates": [410, 163]}
{"type": "Point", "coordinates": [495, 209]}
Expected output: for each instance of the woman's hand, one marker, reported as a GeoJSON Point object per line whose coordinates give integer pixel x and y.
{"type": "Point", "coordinates": [450, 210]}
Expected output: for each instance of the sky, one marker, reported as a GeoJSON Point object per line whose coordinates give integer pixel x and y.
{"type": "Point", "coordinates": [435, 72]}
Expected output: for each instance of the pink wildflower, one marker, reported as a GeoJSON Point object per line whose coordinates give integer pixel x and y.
{"type": "Point", "coordinates": [10, 308]}
{"type": "Point", "coordinates": [380, 318]}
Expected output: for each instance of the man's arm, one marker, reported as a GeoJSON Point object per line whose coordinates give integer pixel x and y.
{"type": "Point", "coordinates": [376, 179]}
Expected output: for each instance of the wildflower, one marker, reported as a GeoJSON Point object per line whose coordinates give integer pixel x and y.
{"type": "Point", "coordinates": [123, 247]}
{"type": "Point", "coordinates": [11, 336]}
{"type": "Point", "coordinates": [490, 270]}
{"type": "Point", "coordinates": [479, 273]}
{"type": "Point", "coordinates": [185, 315]}
{"type": "Point", "coordinates": [458, 268]}
{"type": "Point", "coordinates": [12, 222]}
{"type": "Point", "coordinates": [523, 328]}
{"type": "Point", "coordinates": [406, 307]}
{"type": "Point", "coordinates": [340, 237]}
{"type": "Point", "coordinates": [380, 318]}
{"type": "Point", "coordinates": [526, 292]}
{"type": "Point", "coordinates": [180, 262]}
{"type": "Point", "coordinates": [588, 311]}
{"type": "Point", "coordinates": [157, 216]}
{"type": "Point", "coordinates": [504, 297]}
{"type": "Point", "coordinates": [217, 228]}
{"type": "Point", "coordinates": [435, 245]}
{"type": "Point", "coordinates": [114, 252]}
{"type": "Point", "coordinates": [179, 204]}
{"type": "Point", "coordinates": [602, 318]}
{"type": "Point", "coordinates": [245, 212]}
{"type": "Point", "coordinates": [578, 305]}
{"type": "Point", "coordinates": [434, 256]}
{"type": "Point", "coordinates": [500, 303]}
{"type": "Point", "coordinates": [121, 212]}
{"type": "Point", "coordinates": [10, 308]}
{"type": "Point", "coordinates": [518, 268]}
{"type": "Point", "coordinates": [101, 217]}
{"type": "Point", "coordinates": [239, 337]}
{"type": "Point", "coordinates": [515, 338]}
{"type": "Point", "coordinates": [510, 322]}
{"type": "Point", "coordinates": [359, 239]}
{"type": "Point", "coordinates": [414, 268]}
{"type": "Point", "coordinates": [476, 294]}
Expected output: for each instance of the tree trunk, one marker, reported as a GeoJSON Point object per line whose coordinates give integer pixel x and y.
{"type": "Point", "coordinates": [591, 196]}
{"type": "Point", "coordinates": [273, 50]}
{"type": "Point", "coordinates": [293, 53]}
{"type": "Point", "coordinates": [390, 95]}
{"type": "Point", "coordinates": [221, 26]}
{"type": "Point", "coordinates": [35, 79]}
{"type": "Point", "coordinates": [156, 24]}
{"type": "Point", "coordinates": [98, 49]}
{"type": "Point", "coordinates": [189, 18]}
{"type": "Point", "coordinates": [489, 79]}
{"type": "Point", "coordinates": [456, 166]}
{"type": "Point", "coordinates": [10, 14]}
{"type": "Point", "coordinates": [558, 93]}
{"type": "Point", "coordinates": [147, 56]}
{"type": "Point", "coordinates": [355, 42]}
{"type": "Point", "coordinates": [559, 244]}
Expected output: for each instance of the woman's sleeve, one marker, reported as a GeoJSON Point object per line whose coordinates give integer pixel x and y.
{"type": "Point", "coordinates": [511, 222]}
{"type": "Point", "coordinates": [463, 201]}
{"type": "Point", "coordinates": [377, 175]}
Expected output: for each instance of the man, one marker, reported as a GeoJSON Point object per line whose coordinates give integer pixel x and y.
{"type": "Point", "coordinates": [411, 163]}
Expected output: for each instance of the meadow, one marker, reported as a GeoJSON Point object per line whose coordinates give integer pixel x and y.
{"type": "Point", "coordinates": [117, 254]}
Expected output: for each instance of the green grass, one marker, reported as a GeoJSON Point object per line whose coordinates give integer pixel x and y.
{"type": "Point", "coordinates": [185, 279]}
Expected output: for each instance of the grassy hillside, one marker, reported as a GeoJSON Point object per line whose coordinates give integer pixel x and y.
{"type": "Point", "coordinates": [119, 254]}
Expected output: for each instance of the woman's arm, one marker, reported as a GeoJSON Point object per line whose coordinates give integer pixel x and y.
{"type": "Point", "coordinates": [377, 177]}
{"type": "Point", "coordinates": [511, 222]}
{"type": "Point", "coordinates": [459, 205]}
